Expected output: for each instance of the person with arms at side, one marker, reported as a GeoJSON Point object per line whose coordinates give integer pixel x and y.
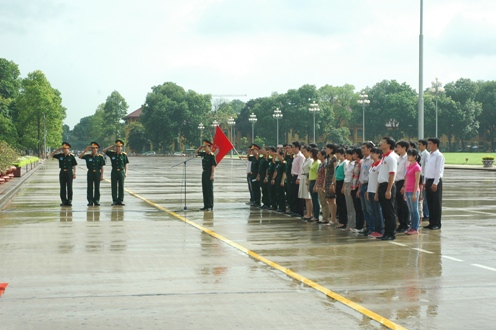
{"type": "Point", "coordinates": [254, 158]}
{"type": "Point", "coordinates": [375, 210]}
{"type": "Point", "coordinates": [412, 191]}
{"type": "Point", "coordinates": [320, 187]}
{"type": "Point", "coordinates": [424, 153]}
{"type": "Point", "coordinates": [248, 175]}
{"type": "Point", "coordinates": [208, 166]}
{"type": "Point", "coordinates": [288, 158]}
{"type": "Point", "coordinates": [280, 173]}
{"type": "Point", "coordinates": [262, 178]}
{"type": "Point", "coordinates": [296, 167]}
{"type": "Point", "coordinates": [433, 183]}
{"type": "Point", "coordinates": [330, 188]}
{"type": "Point", "coordinates": [120, 162]}
{"type": "Point", "coordinates": [401, 206]}
{"type": "Point", "coordinates": [94, 163]}
{"type": "Point", "coordinates": [313, 174]}
{"type": "Point", "coordinates": [355, 189]}
{"type": "Point", "coordinates": [364, 182]}
{"type": "Point", "coordinates": [304, 186]}
{"type": "Point", "coordinates": [338, 187]}
{"type": "Point", "coordinates": [386, 189]}
{"type": "Point", "coordinates": [67, 165]}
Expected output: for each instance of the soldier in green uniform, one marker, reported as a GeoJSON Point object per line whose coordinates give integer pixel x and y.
{"type": "Point", "coordinates": [271, 177]}
{"type": "Point", "coordinates": [263, 160]}
{"type": "Point", "coordinates": [289, 157]}
{"type": "Point", "coordinates": [119, 162]}
{"type": "Point", "coordinates": [280, 173]}
{"type": "Point", "coordinates": [255, 178]}
{"type": "Point", "coordinates": [67, 165]}
{"type": "Point", "coordinates": [208, 165]}
{"type": "Point", "coordinates": [94, 163]}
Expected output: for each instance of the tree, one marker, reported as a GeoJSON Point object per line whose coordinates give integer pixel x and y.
{"type": "Point", "coordinates": [115, 109]}
{"type": "Point", "coordinates": [486, 95]}
{"type": "Point", "coordinates": [10, 84]}
{"type": "Point", "coordinates": [170, 113]}
{"type": "Point", "coordinates": [38, 109]}
{"type": "Point", "coordinates": [137, 139]}
{"type": "Point", "coordinates": [7, 156]}
{"type": "Point", "coordinates": [336, 104]}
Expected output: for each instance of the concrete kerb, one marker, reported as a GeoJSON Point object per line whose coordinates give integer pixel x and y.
{"type": "Point", "coordinates": [9, 189]}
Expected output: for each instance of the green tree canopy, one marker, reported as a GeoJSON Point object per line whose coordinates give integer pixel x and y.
{"type": "Point", "coordinates": [114, 110]}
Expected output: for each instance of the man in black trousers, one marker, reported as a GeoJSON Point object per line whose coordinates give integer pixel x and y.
{"type": "Point", "coordinates": [433, 183]}
{"type": "Point", "coordinates": [386, 189]}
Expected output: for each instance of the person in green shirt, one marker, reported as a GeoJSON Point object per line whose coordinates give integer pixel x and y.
{"type": "Point", "coordinates": [94, 163]}
{"type": "Point", "coordinates": [67, 165]}
{"type": "Point", "coordinates": [208, 165]}
{"type": "Point", "coordinates": [119, 161]}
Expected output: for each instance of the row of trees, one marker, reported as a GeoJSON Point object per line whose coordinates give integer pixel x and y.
{"type": "Point", "coordinates": [30, 109]}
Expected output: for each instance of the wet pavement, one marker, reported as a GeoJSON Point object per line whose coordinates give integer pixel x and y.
{"type": "Point", "coordinates": [152, 265]}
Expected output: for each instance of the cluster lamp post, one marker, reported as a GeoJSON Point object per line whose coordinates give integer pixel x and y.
{"type": "Point", "coordinates": [215, 123]}
{"type": "Point", "coordinates": [231, 123]}
{"type": "Point", "coordinates": [277, 115]}
{"type": "Point", "coordinates": [437, 88]}
{"type": "Point", "coordinates": [201, 128]}
{"type": "Point", "coordinates": [253, 120]}
{"type": "Point", "coordinates": [364, 101]}
{"type": "Point", "coordinates": [314, 108]}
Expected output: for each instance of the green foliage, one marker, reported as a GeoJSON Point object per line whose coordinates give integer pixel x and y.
{"type": "Point", "coordinates": [488, 158]}
{"type": "Point", "coordinates": [38, 108]}
{"type": "Point", "coordinates": [10, 83]}
{"type": "Point", "coordinates": [114, 110]}
{"type": "Point", "coordinates": [486, 96]}
{"type": "Point", "coordinates": [137, 139]}
{"type": "Point", "coordinates": [25, 160]}
{"type": "Point", "coordinates": [7, 156]}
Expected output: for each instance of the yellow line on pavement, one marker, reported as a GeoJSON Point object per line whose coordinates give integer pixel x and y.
{"type": "Point", "coordinates": [374, 316]}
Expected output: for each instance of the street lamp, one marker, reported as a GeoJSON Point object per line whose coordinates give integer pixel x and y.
{"type": "Point", "coordinates": [201, 128]}
{"type": "Point", "coordinates": [253, 120]}
{"type": "Point", "coordinates": [314, 108]}
{"type": "Point", "coordinates": [231, 123]}
{"type": "Point", "coordinates": [364, 101]}
{"type": "Point", "coordinates": [214, 125]}
{"type": "Point", "coordinates": [277, 115]}
{"type": "Point", "coordinates": [437, 88]}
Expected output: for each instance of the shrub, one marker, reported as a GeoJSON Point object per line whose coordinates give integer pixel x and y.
{"type": "Point", "coordinates": [7, 156]}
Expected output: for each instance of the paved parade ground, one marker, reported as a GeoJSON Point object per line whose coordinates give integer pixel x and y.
{"type": "Point", "coordinates": [153, 265]}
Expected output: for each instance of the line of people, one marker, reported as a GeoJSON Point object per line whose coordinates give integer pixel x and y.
{"type": "Point", "coordinates": [377, 191]}
{"type": "Point", "coordinates": [95, 163]}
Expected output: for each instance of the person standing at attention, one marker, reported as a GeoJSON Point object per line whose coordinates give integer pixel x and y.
{"type": "Point", "coordinates": [119, 161]}
{"type": "Point", "coordinates": [433, 183]}
{"type": "Point", "coordinates": [411, 190]}
{"type": "Point", "coordinates": [386, 190]}
{"type": "Point", "coordinates": [94, 163]}
{"type": "Point", "coordinates": [208, 165]}
{"type": "Point", "coordinates": [424, 153]}
{"type": "Point", "coordinates": [401, 205]}
{"type": "Point", "coordinates": [67, 165]}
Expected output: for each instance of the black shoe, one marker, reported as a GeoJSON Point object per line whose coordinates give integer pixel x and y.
{"type": "Point", "coordinates": [428, 227]}
{"type": "Point", "coordinates": [68, 203]}
{"type": "Point", "coordinates": [387, 238]}
{"type": "Point", "coordinates": [89, 204]}
{"type": "Point", "coordinates": [265, 207]}
{"type": "Point", "coordinates": [97, 204]}
{"type": "Point", "coordinates": [280, 211]}
{"type": "Point", "coordinates": [289, 212]}
{"type": "Point", "coordinates": [366, 232]}
{"type": "Point", "coordinates": [205, 209]}
{"type": "Point", "coordinates": [62, 204]}
{"type": "Point", "coordinates": [435, 228]}
{"type": "Point", "coordinates": [255, 205]}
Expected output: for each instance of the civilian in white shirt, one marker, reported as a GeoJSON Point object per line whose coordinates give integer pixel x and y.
{"type": "Point", "coordinates": [346, 190]}
{"type": "Point", "coordinates": [433, 183]}
{"type": "Point", "coordinates": [386, 190]}
{"type": "Point", "coordinates": [296, 167]}
{"type": "Point", "coordinates": [372, 199]}
{"type": "Point", "coordinates": [423, 207]}
{"type": "Point", "coordinates": [402, 211]}
{"type": "Point", "coordinates": [364, 182]}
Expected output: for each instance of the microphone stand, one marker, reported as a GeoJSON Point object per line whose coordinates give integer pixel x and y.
{"type": "Point", "coordinates": [184, 178]}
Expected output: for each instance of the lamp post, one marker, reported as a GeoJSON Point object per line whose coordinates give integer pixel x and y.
{"type": "Point", "coordinates": [277, 115]}
{"type": "Point", "coordinates": [214, 125]}
{"type": "Point", "coordinates": [253, 120]}
{"type": "Point", "coordinates": [437, 88]}
{"type": "Point", "coordinates": [201, 128]}
{"type": "Point", "coordinates": [421, 74]}
{"type": "Point", "coordinates": [314, 108]}
{"type": "Point", "coordinates": [231, 123]}
{"type": "Point", "coordinates": [364, 101]}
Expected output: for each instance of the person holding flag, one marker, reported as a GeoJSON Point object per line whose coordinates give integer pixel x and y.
{"type": "Point", "coordinates": [208, 164]}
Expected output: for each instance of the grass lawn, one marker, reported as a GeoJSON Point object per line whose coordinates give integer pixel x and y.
{"type": "Point", "coordinates": [459, 158]}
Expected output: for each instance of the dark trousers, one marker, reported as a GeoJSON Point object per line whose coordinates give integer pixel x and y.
{"type": "Point", "coordinates": [248, 179]}
{"type": "Point", "coordinates": [357, 203]}
{"type": "Point", "coordinates": [65, 180]}
{"type": "Point", "coordinates": [117, 184]}
{"type": "Point", "coordinates": [341, 203]}
{"type": "Point", "coordinates": [93, 186]}
{"type": "Point", "coordinates": [208, 190]}
{"type": "Point", "coordinates": [255, 185]}
{"type": "Point", "coordinates": [402, 207]}
{"type": "Point", "coordinates": [273, 196]}
{"type": "Point", "coordinates": [265, 192]}
{"type": "Point", "coordinates": [289, 189]}
{"type": "Point", "coordinates": [297, 203]}
{"type": "Point", "coordinates": [315, 200]}
{"type": "Point", "coordinates": [435, 202]}
{"type": "Point", "coordinates": [388, 209]}
{"type": "Point", "coordinates": [281, 196]}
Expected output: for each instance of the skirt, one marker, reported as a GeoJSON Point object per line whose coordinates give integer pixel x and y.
{"type": "Point", "coordinates": [303, 191]}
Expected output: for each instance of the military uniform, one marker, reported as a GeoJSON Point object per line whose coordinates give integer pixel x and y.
{"type": "Point", "coordinates": [280, 191]}
{"type": "Point", "coordinates": [255, 184]}
{"type": "Point", "coordinates": [272, 187]}
{"type": "Point", "coordinates": [264, 184]}
{"type": "Point", "coordinates": [289, 190]}
{"type": "Point", "coordinates": [117, 175]}
{"type": "Point", "coordinates": [208, 160]}
{"type": "Point", "coordinates": [94, 165]}
{"type": "Point", "coordinates": [66, 164]}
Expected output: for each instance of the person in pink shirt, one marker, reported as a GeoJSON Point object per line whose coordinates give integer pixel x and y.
{"type": "Point", "coordinates": [411, 189]}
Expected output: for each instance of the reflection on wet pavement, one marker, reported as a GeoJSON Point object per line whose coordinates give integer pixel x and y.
{"type": "Point", "coordinates": [439, 279]}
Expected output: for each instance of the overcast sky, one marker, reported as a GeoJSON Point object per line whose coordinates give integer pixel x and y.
{"type": "Point", "coordinates": [87, 49]}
